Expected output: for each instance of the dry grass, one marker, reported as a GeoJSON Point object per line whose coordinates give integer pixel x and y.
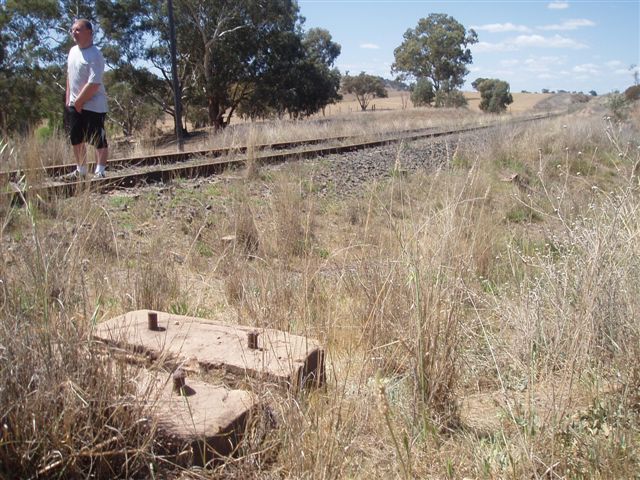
{"type": "Point", "coordinates": [385, 115]}
{"type": "Point", "coordinates": [476, 324]}
{"type": "Point", "coordinates": [398, 100]}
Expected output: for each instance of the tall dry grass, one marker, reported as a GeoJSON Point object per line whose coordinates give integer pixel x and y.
{"type": "Point", "coordinates": [476, 323]}
{"type": "Point", "coordinates": [67, 411]}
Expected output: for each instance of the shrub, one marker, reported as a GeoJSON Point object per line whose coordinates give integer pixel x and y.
{"type": "Point", "coordinates": [422, 93]}
{"type": "Point", "coordinates": [579, 98]}
{"type": "Point", "coordinates": [495, 94]}
{"type": "Point", "coordinates": [452, 99]}
{"type": "Point", "coordinates": [619, 105]}
{"type": "Point", "coordinates": [632, 93]}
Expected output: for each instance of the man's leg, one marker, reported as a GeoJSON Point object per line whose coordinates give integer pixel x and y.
{"type": "Point", "coordinates": [80, 154]}
{"type": "Point", "coordinates": [102, 155]}
{"type": "Point", "coordinates": [77, 134]}
{"type": "Point", "coordinates": [100, 142]}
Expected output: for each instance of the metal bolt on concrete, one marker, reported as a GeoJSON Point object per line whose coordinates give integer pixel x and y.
{"type": "Point", "coordinates": [194, 416]}
{"type": "Point", "coordinates": [179, 381]}
{"type": "Point", "coordinates": [153, 321]}
{"type": "Point", "coordinates": [252, 340]}
{"type": "Point", "coordinates": [200, 423]}
{"type": "Point", "coordinates": [281, 357]}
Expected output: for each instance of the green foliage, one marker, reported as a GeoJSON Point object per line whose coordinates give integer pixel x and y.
{"type": "Point", "coordinates": [422, 93]}
{"type": "Point", "coordinates": [298, 79]}
{"type": "Point", "coordinates": [33, 47]}
{"type": "Point", "coordinates": [521, 213]}
{"type": "Point", "coordinates": [29, 80]}
{"type": "Point", "coordinates": [436, 49]}
{"type": "Point", "coordinates": [124, 24]}
{"type": "Point", "coordinates": [231, 55]}
{"type": "Point", "coordinates": [593, 93]}
{"type": "Point", "coordinates": [130, 107]}
{"type": "Point", "coordinates": [397, 85]}
{"type": "Point", "coordinates": [44, 133]}
{"type": "Point", "coordinates": [320, 48]}
{"type": "Point", "coordinates": [619, 106]}
{"type": "Point", "coordinates": [450, 99]}
{"type": "Point", "coordinates": [233, 51]}
{"type": "Point", "coordinates": [365, 87]}
{"type": "Point", "coordinates": [246, 57]}
{"type": "Point", "coordinates": [494, 94]}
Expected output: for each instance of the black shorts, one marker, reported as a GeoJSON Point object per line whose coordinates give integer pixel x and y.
{"type": "Point", "coordinates": [87, 126]}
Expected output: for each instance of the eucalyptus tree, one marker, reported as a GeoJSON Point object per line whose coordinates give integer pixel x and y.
{"type": "Point", "coordinates": [322, 84]}
{"type": "Point", "coordinates": [230, 53]}
{"type": "Point", "coordinates": [27, 62]}
{"type": "Point", "coordinates": [365, 87]}
{"type": "Point", "coordinates": [299, 79]}
{"type": "Point", "coordinates": [437, 49]}
{"type": "Point", "coordinates": [224, 47]}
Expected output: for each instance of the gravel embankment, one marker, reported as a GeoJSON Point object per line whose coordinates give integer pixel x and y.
{"type": "Point", "coordinates": [345, 174]}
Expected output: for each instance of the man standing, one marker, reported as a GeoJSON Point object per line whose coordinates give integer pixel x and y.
{"type": "Point", "coordinates": [86, 100]}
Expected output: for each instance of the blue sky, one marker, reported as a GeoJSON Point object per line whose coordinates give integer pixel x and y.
{"type": "Point", "coordinates": [555, 44]}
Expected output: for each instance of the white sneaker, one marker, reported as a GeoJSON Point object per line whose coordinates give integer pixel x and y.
{"type": "Point", "coordinates": [99, 175]}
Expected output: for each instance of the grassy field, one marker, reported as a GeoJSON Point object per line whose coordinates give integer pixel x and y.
{"type": "Point", "coordinates": [480, 320]}
{"type": "Point", "coordinates": [397, 100]}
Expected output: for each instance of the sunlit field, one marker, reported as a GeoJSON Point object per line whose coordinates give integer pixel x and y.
{"type": "Point", "coordinates": [480, 317]}
{"type": "Point", "coordinates": [398, 100]}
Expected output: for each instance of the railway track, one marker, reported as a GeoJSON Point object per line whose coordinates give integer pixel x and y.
{"type": "Point", "coordinates": [45, 183]}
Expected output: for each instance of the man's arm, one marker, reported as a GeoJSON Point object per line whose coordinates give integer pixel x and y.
{"type": "Point", "coordinates": [88, 91]}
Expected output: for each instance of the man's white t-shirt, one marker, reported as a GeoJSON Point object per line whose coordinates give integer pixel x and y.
{"type": "Point", "coordinates": [86, 65]}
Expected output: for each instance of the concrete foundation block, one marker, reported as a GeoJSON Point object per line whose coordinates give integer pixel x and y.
{"type": "Point", "coordinates": [199, 422]}
{"type": "Point", "coordinates": [267, 354]}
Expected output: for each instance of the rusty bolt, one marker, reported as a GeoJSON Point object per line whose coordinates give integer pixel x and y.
{"type": "Point", "coordinates": [153, 321]}
{"type": "Point", "coordinates": [179, 381]}
{"type": "Point", "coordinates": [252, 340]}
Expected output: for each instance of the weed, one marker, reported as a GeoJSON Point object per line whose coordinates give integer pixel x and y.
{"type": "Point", "coordinates": [444, 288]}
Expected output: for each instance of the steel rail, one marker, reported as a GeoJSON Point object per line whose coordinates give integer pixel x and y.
{"type": "Point", "coordinates": [209, 166]}
{"type": "Point", "coordinates": [176, 157]}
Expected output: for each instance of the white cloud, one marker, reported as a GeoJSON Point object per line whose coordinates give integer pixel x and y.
{"type": "Point", "coordinates": [569, 25]}
{"type": "Point", "coordinates": [557, 41]}
{"type": "Point", "coordinates": [509, 63]}
{"type": "Point", "coordinates": [586, 68]}
{"type": "Point", "coordinates": [558, 5]}
{"type": "Point", "coordinates": [614, 64]}
{"type": "Point", "coordinates": [370, 46]}
{"type": "Point", "coordinates": [503, 73]}
{"type": "Point", "coordinates": [491, 47]}
{"type": "Point", "coordinates": [617, 67]}
{"type": "Point", "coordinates": [527, 41]}
{"type": "Point", "coordinates": [501, 27]}
{"type": "Point", "coordinates": [543, 64]}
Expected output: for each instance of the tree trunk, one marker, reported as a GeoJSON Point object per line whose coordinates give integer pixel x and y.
{"type": "Point", "coordinates": [216, 116]}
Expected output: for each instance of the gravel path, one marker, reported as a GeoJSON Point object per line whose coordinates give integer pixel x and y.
{"type": "Point", "coordinates": [344, 174]}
